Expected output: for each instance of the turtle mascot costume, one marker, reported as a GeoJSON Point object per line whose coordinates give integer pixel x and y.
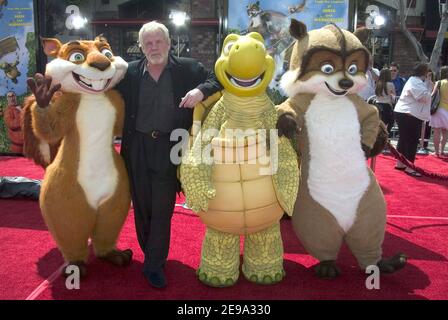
{"type": "Point", "coordinates": [236, 181]}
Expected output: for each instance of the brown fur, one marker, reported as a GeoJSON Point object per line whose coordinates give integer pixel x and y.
{"type": "Point", "coordinates": [309, 216]}
{"type": "Point", "coordinates": [31, 142]}
{"type": "Point", "coordinates": [56, 49]}
{"type": "Point", "coordinates": [71, 219]}
{"type": "Point", "coordinates": [362, 34]}
{"type": "Point", "coordinates": [315, 226]}
{"type": "Point", "coordinates": [381, 140]}
{"type": "Point", "coordinates": [322, 40]}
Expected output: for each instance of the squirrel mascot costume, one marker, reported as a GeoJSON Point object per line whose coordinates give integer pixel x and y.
{"type": "Point", "coordinates": [85, 191]}
{"type": "Point", "coordinates": [339, 199]}
{"type": "Point", "coordinates": [231, 193]}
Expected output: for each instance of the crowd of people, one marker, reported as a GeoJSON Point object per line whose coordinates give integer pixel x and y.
{"type": "Point", "coordinates": [406, 102]}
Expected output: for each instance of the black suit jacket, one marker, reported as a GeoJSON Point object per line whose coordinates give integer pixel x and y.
{"type": "Point", "coordinates": [186, 74]}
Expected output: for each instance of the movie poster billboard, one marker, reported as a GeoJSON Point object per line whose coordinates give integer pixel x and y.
{"type": "Point", "coordinates": [17, 63]}
{"type": "Point", "coordinates": [271, 18]}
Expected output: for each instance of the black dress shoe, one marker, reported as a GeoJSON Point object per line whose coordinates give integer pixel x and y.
{"type": "Point", "coordinates": [156, 279]}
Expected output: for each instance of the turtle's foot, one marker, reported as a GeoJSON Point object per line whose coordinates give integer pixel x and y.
{"type": "Point", "coordinates": [272, 277]}
{"type": "Point", "coordinates": [220, 259]}
{"type": "Point", "coordinates": [395, 263]}
{"type": "Point", "coordinates": [327, 270]}
{"type": "Point", "coordinates": [215, 280]}
{"type": "Point", "coordinates": [263, 256]}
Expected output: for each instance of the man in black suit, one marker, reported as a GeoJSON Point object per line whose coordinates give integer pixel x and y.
{"type": "Point", "coordinates": [160, 92]}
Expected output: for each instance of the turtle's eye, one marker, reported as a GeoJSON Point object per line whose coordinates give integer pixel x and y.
{"type": "Point", "coordinates": [228, 47]}
{"type": "Point", "coordinates": [352, 69]}
{"type": "Point", "coordinates": [76, 57]}
{"type": "Point", "coordinates": [327, 68]}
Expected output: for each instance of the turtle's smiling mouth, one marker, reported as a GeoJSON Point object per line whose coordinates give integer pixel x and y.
{"type": "Point", "coordinates": [245, 83]}
{"type": "Point", "coordinates": [334, 91]}
{"type": "Point", "coordinates": [91, 85]}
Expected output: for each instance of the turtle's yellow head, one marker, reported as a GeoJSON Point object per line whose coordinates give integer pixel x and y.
{"type": "Point", "coordinates": [244, 67]}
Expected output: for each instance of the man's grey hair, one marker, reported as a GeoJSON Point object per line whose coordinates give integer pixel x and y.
{"type": "Point", "coordinates": [152, 27]}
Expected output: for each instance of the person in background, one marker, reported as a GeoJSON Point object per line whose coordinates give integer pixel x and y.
{"type": "Point", "coordinates": [427, 134]}
{"type": "Point", "coordinates": [159, 91]}
{"type": "Point", "coordinates": [385, 98]}
{"type": "Point", "coordinates": [397, 80]}
{"type": "Point", "coordinates": [12, 117]}
{"type": "Point", "coordinates": [372, 75]}
{"type": "Point", "coordinates": [439, 120]}
{"type": "Point", "coordinates": [412, 108]}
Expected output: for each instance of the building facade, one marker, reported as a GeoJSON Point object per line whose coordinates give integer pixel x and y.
{"type": "Point", "coordinates": [201, 36]}
{"type": "Point", "coordinates": [389, 43]}
{"type": "Point", "coordinates": [120, 20]}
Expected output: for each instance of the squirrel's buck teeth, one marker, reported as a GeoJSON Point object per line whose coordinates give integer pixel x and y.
{"type": "Point", "coordinates": [85, 80]}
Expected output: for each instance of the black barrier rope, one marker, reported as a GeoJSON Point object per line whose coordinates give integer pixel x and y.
{"type": "Point", "coordinates": [409, 164]}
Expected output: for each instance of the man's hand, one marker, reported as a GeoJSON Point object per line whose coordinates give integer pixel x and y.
{"type": "Point", "coordinates": [41, 87]}
{"type": "Point", "coordinates": [192, 98]}
{"type": "Point", "coordinates": [287, 126]}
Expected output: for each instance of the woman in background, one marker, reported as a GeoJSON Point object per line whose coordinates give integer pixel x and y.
{"type": "Point", "coordinates": [411, 110]}
{"type": "Point", "coordinates": [439, 120]}
{"type": "Point", "coordinates": [385, 97]}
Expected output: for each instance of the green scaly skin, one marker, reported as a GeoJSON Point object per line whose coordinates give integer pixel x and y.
{"type": "Point", "coordinates": [241, 109]}
{"type": "Point", "coordinates": [195, 175]}
{"type": "Point", "coordinates": [263, 256]}
{"type": "Point", "coordinates": [220, 259]}
{"type": "Point", "coordinates": [286, 179]}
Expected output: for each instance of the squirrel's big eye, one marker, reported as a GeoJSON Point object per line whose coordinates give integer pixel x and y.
{"type": "Point", "coordinates": [327, 68]}
{"type": "Point", "coordinates": [107, 53]}
{"type": "Point", "coordinates": [77, 57]}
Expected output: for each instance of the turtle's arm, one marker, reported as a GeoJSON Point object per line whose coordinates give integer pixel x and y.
{"type": "Point", "coordinates": [285, 165]}
{"type": "Point", "coordinates": [197, 165]}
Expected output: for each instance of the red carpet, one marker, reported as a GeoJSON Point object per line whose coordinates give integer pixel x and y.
{"type": "Point", "coordinates": [417, 225]}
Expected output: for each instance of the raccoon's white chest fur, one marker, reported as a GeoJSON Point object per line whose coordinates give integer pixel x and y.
{"type": "Point", "coordinates": [338, 175]}
{"type": "Point", "coordinates": [97, 173]}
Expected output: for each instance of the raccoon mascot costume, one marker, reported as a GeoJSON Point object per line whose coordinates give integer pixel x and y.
{"type": "Point", "coordinates": [339, 199]}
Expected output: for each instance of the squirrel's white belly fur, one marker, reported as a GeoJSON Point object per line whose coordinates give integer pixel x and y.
{"type": "Point", "coordinates": [338, 174]}
{"type": "Point", "coordinates": [97, 173]}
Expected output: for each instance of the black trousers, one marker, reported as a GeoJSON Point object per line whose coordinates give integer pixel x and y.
{"type": "Point", "coordinates": [428, 130]}
{"type": "Point", "coordinates": [409, 130]}
{"type": "Point", "coordinates": [153, 188]}
{"type": "Point", "coordinates": [386, 115]}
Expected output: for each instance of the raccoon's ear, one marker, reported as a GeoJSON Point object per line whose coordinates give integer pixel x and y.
{"type": "Point", "coordinates": [362, 34]}
{"type": "Point", "coordinates": [297, 29]}
{"type": "Point", "coordinates": [51, 46]}
{"type": "Point", "coordinates": [101, 38]}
